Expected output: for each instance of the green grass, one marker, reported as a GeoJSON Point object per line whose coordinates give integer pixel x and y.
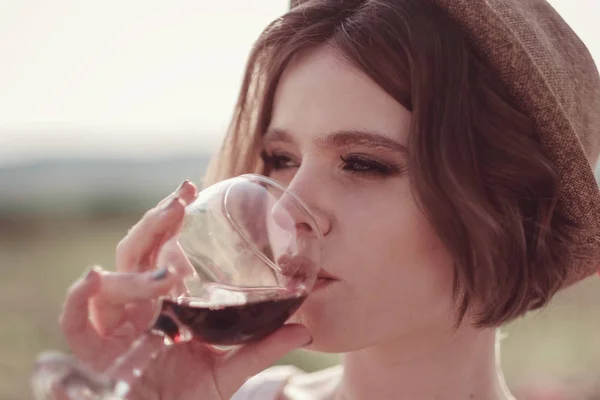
{"type": "Point", "coordinates": [40, 258]}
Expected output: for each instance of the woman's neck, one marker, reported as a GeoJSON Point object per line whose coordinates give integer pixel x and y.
{"type": "Point", "coordinates": [452, 366]}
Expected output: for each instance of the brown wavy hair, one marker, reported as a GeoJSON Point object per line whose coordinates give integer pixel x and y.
{"type": "Point", "coordinates": [476, 166]}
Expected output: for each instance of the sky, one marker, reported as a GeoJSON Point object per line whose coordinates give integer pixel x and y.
{"type": "Point", "coordinates": [138, 78]}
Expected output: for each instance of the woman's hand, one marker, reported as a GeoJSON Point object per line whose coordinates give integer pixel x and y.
{"type": "Point", "coordinates": [106, 311]}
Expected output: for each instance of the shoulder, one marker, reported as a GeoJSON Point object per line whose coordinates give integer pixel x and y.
{"type": "Point", "coordinates": [290, 383]}
{"type": "Point", "coordinates": [319, 385]}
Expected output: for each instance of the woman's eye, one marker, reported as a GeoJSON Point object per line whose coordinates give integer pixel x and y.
{"type": "Point", "coordinates": [278, 161]}
{"type": "Point", "coordinates": [363, 165]}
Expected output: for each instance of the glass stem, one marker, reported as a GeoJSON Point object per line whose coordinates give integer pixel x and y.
{"type": "Point", "coordinates": [131, 365]}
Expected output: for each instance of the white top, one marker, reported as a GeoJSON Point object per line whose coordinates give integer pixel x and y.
{"type": "Point", "coordinates": [287, 382]}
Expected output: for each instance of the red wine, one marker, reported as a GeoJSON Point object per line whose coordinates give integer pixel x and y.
{"type": "Point", "coordinates": [264, 312]}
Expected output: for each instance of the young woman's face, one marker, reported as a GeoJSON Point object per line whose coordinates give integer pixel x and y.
{"type": "Point", "coordinates": [339, 141]}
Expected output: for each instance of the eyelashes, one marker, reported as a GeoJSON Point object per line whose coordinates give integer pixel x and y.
{"type": "Point", "coordinates": [276, 161]}
{"type": "Point", "coordinates": [361, 164]}
{"type": "Point", "coordinates": [358, 164]}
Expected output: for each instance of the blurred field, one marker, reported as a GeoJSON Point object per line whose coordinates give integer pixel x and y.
{"type": "Point", "coordinates": [41, 256]}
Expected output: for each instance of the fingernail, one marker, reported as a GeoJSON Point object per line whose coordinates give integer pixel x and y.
{"type": "Point", "coordinates": [90, 272]}
{"type": "Point", "coordinates": [170, 203]}
{"type": "Point", "coordinates": [159, 274]}
{"type": "Point", "coordinates": [182, 184]}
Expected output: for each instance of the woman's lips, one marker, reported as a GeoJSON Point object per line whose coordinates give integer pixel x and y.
{"type": "Point", "coordinates": [322, 283]}
{"type": "Point", "coordinates": [294, 269]}
{"type": "Point", "coordinates": [324, 279]}
{"type": "Point", "coordinates": [326, 275]}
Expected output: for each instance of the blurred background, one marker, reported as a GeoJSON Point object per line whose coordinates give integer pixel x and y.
{"type": "Point", "coordinates": [105, 107]}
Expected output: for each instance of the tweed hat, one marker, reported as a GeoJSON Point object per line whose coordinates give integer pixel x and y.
{"type": "Point", "coordinates": [553, 78]}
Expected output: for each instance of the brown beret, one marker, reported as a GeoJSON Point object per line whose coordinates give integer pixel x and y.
{"type": "Point", "coordinates": [553, 78]}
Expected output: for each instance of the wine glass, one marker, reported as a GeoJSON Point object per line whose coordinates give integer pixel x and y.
{"type": "Point", "coordinates": [249, 251]}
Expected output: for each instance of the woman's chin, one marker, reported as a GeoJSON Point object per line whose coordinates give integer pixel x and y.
{"type": "Point", "coordinates": [325, 338]}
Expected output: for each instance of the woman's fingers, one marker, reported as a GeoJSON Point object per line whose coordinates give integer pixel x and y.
{"type": "Point", "coordinates": [187, 191]}
{"type": "Point", "coordinates": [119, 289]}
{"type": "Point", "coordinates": [139, 315]}
{"type": "Point", "coordinates": [139, 249]}
{"type": "Point", "coordinates": [74, 320]}
{"type": "Point", "coordinates": [235, 367]}
{"type": "Point", "coordinates": [172, 255]}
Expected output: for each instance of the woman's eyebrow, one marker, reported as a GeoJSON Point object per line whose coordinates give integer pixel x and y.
{"type": "Point", "coordinates": [278, 135]}
{"type": "Point", "coordinates": [344, 138]}
{"type": "Point", "coordinates": [368, 139]}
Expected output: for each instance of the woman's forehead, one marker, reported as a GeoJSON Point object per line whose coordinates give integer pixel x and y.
{"type": "Point", "coordinates": [319, 93]}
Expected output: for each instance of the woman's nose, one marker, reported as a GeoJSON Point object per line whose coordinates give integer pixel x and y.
{"type": "Point", "coordinates": [303, 216]}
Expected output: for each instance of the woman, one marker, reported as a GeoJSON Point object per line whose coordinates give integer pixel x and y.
{"type": "Point", "coordinates": [446, 148]}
